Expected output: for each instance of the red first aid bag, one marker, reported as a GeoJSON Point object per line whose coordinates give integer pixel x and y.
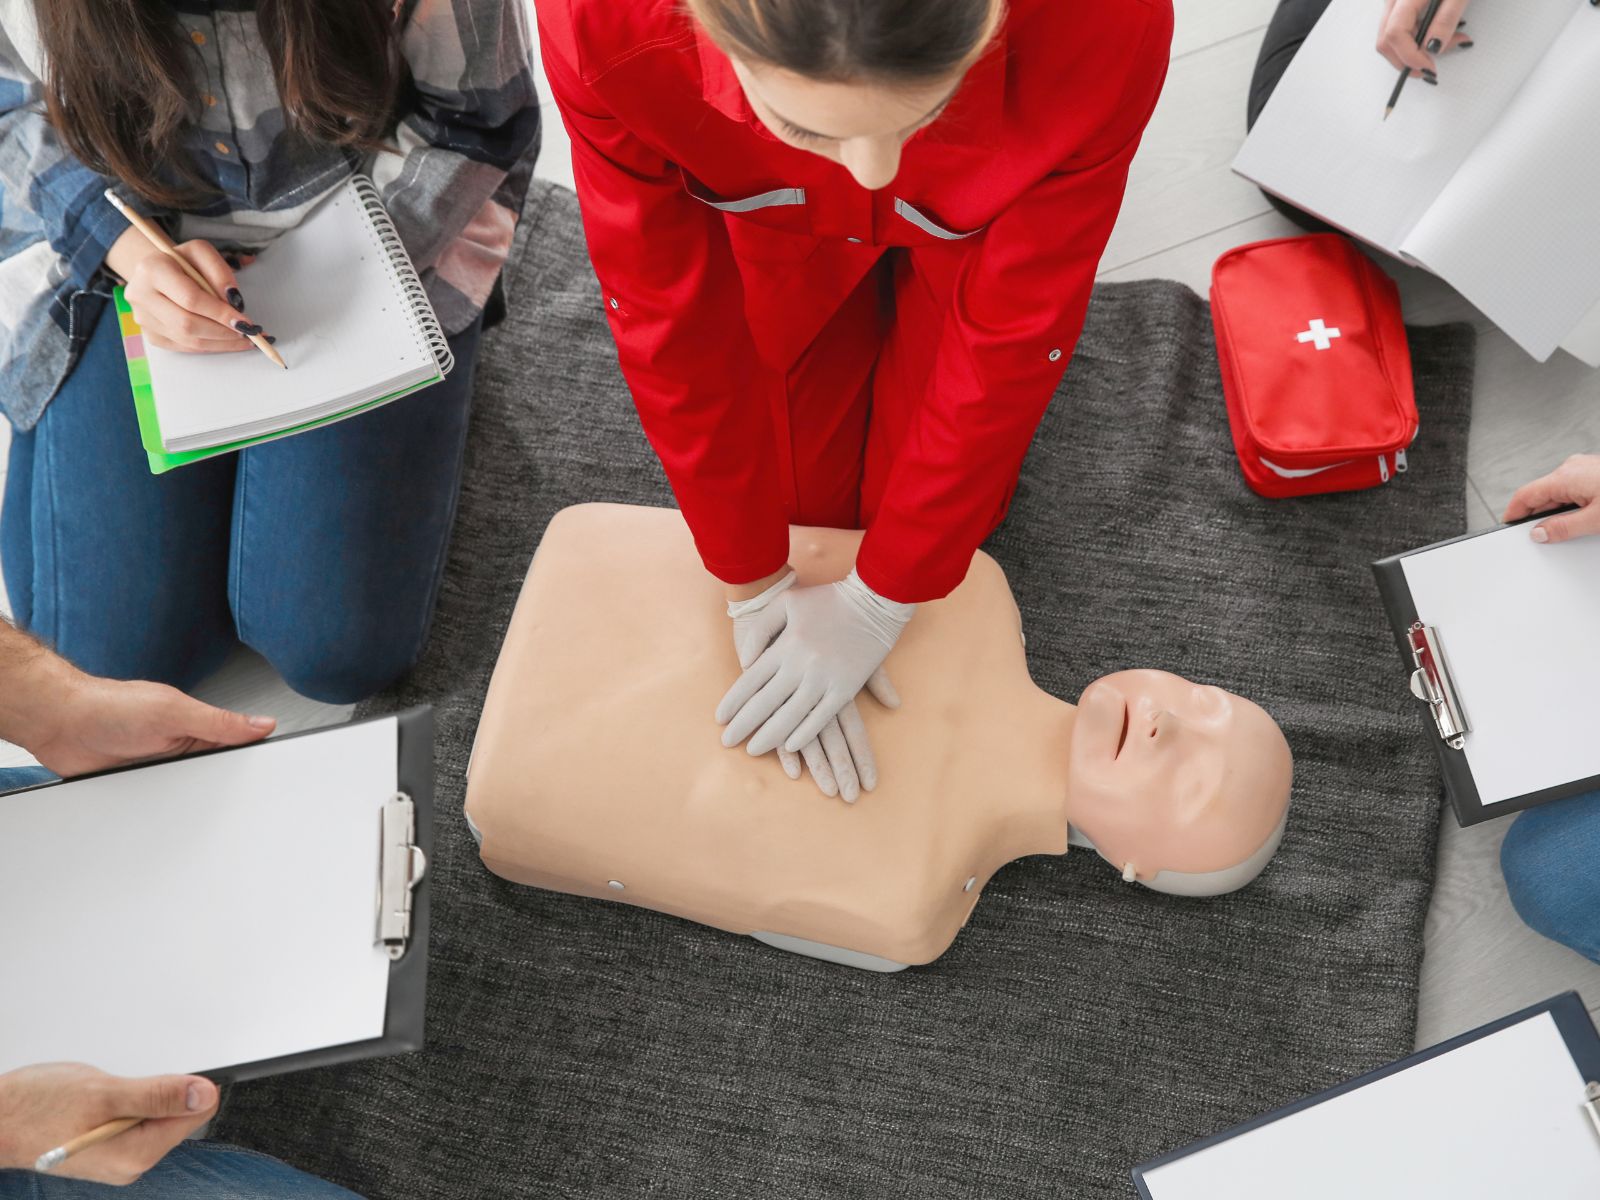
{"type": "Point", "coordinates": [1315, 366]}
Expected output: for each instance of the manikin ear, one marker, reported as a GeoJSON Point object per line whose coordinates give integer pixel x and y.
{"type": "Point", "coordinates": [1199, 883]}
{"type": "Point", "coordinates": [1217, 883]}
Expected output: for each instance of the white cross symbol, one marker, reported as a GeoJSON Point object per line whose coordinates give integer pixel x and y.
{"type": "Point", "coordinates": [1319, 333]}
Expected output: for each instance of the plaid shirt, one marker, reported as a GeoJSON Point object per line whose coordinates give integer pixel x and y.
{"type": "Point", "coordinates": [467, 135]}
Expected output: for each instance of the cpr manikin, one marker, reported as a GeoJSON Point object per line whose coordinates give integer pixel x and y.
{"type": "Point", "coordinates": [598, 770]}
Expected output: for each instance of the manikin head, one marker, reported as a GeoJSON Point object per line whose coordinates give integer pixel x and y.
{"type": "Point", "coordinates": [849, 81]}
{"type": "Point", "coordinates": [1183, 787]}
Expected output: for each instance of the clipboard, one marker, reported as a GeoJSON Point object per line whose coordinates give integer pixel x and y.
{"type": "Point", "coordinates": [1582, 1131]}
{"type": "Point", "coordinates": [1444, 706]}
{"type": "Point", "coordinates": [402, 838]}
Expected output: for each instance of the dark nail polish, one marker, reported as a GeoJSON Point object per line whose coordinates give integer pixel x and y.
{"type": "Point", "coordinates": [271, 341]}
{"type": "Point", "coordinates": [236, 299]}
{"type": "Point", "coordinates": [247, 329]}
{"type": "Point", "coordinates": [1465, 45]}
{"type": "Point", "coordinates": [1431, 79]}
{"type": "Point", "coordinates": [1434, 46]}
{"type": "Point", "coordinates": [232, 260]}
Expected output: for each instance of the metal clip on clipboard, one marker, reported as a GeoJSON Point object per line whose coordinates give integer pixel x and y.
{"type": "Point", "coordinates": [401, 866]}
{"type": "Point", "coordinates": [1431, 684]}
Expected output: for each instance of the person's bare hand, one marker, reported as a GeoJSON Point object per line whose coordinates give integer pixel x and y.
{"type": "Point", "coordinates": [1576, 481]}
{"type": "Point", "coordinates": [89, 724]}
{"type": "Point", "coordinates": [174, 311]}
{"type": "Point", "coordinates": [1397, 34]}
{"type": "Point", "coordinates": [47, 1106]}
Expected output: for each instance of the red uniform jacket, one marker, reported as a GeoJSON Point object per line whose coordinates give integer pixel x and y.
{"type": "Point", "coordinates": [723, 254]}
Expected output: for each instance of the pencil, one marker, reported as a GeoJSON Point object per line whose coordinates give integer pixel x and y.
{"type": "Point", "coordinates": [52, 1159]}
{"type": "Point", "coordinates": [159, 239]}
{"type": "Point", "coordinates": [1405, 72]}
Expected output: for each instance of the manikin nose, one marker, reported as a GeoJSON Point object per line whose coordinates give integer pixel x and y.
{"type": "Point", "coordinates": [872, 162]}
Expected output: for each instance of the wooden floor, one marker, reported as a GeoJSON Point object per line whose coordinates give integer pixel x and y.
{"type": "Point", "coordinates": [1183, 208]}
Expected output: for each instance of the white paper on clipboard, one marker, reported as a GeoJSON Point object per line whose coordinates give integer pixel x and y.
{"type": "Point", "coordinates": [1520, 626]}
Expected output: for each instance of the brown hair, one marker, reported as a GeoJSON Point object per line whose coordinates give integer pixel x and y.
{"type": "Point", "coordinates": [121, 88]}
{"type": "Point", "coordinates": [895, 41]}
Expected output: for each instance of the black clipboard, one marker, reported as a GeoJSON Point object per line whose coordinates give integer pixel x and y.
{"type": "Point", "coordinates": [408, 973]}
{"type": "Point", "coordinates": [1567, 1010]}
{"type": "Point", "coordinates": [1410, 630]}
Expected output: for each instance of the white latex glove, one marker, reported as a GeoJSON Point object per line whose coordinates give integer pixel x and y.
{"type": "Point", "coordinates": [835, 637]}
{"type": "Point", "coordinates": [840, 759]}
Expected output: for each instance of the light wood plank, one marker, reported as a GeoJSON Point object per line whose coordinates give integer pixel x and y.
{"type": "Point", "coordinates": [1481, 961]}
{"type": "Point", "coordinates": [1189, 262]}
{"type": "Point", "coordinates": [1181, 185]}
{"type": "Point", "coordinates": [1198, 24]}
{"type": "Point", "coordinates": [1479, 515]}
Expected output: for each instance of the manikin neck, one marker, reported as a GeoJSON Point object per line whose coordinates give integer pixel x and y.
{"type": "Point", "coordinates": [1040, 744]}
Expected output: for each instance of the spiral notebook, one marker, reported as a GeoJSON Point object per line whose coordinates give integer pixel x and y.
{"type": "Point", "coordinates": [352, 321]}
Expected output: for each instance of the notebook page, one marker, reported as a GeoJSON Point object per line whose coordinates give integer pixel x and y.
{"type": "Point", "coordinates": [1497, 1118]}
{"type": "Point", "coordinates": [1322, 143]}
{"type": "Point", "coordinates": [326, 291]}
{"type": "Point", "coordinates": [1516, 231]}
{"type": "Point", "coordinates": [1520, 627]}
{"type": "Point", "coordinates": [197, 914]}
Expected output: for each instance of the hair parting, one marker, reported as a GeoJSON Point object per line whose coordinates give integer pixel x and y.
{"type": "Point", "coordinates": [894, 41]}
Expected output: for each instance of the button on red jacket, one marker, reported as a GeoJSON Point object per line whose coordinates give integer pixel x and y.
{"type": "Point", "coordinates": [802, 349]}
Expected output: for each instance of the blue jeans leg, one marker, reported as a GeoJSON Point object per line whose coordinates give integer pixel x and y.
{"type": "Point", "coordinates": [121, 571]}
{"type": "Point", "coordinates": [1551, 861]}
{"type": "Point", "coordinates": [192, 1171]}
{"type": "Point", "coordinates": [340, 536]}
{"type": "Point", "coordinates": [13, 778]}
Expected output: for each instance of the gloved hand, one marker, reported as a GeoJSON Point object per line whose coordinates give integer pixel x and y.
{"type": "Point", "coordinates": [840, 759]}
{"type": "Point", "coordinates": [835, 637]}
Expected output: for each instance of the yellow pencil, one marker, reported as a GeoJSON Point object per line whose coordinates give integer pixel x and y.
{"type": "Point", "coordinates": [52, 1159]}
{"type": "Point", "coordinates": [159, 239]}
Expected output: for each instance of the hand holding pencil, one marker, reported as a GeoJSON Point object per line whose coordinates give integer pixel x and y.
{"type": "Point", "coordinates": [1413, 32]}
{"type": "Point", "coordinates": [131, 1123]}
{"type": "Point", "coordinates": [187, 297]}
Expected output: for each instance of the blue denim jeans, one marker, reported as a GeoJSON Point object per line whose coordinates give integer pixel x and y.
{"type": "Point", "coordinates": [12, 778]}
{"type": "Point", "coordinates": [1551, 861]}
{"type": "Point", "coordinates": [193, 1171]}
{"type": "Point", "coordinates": [322, 551]}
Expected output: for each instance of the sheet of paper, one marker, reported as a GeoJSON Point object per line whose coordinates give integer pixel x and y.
{"type": "Point", "coordinates": [1500, 1117]}
{"type": "Point", "coordinates": [1520, 625]}
{"type": "Point", "coordinates": [197, 914]}
{"type": "Point", "coordinates": [1516, 232]}
{"type": "Point", "coordinates": [1583, 341]}
{"type": "Point", "coordinates": [327, 292]}
{"type": "Point", "coordinates": [1322, 142]}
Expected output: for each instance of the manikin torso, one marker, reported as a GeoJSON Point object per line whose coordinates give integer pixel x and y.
{"type": "Point", "coordinates": [598, 771]}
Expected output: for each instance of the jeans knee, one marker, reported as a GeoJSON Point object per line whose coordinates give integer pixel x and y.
{"type": "Point", "coordinates": [343, 671]}
{"type": "Point", "coordinates": [1548, 860]}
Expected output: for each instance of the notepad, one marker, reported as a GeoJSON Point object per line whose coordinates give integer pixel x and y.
{"type": "Point", "coordinates": [1495, 1115]}
{"type": "Point", "coordinates": [198, 914]}
{"type": "Point", "coordinates": [352, 321]}
{"type": "Point", "coordinates": [1488, 179]}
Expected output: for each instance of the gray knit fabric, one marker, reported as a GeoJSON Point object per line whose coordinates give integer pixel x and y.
{"type": "Point", "coordinates": [588, 1049]}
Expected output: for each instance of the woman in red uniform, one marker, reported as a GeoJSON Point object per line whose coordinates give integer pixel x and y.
{"type": "Point", "coordinates": [845, 248]}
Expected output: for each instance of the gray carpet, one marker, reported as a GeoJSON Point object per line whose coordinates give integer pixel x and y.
{"type": "Point", "coordinates": [584, 1049]}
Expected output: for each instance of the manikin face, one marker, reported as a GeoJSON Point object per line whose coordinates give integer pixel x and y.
{"type": "Point", "coordinates": [861, 126]}
{"type": "Point", "coordinates": [1172, 776]}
